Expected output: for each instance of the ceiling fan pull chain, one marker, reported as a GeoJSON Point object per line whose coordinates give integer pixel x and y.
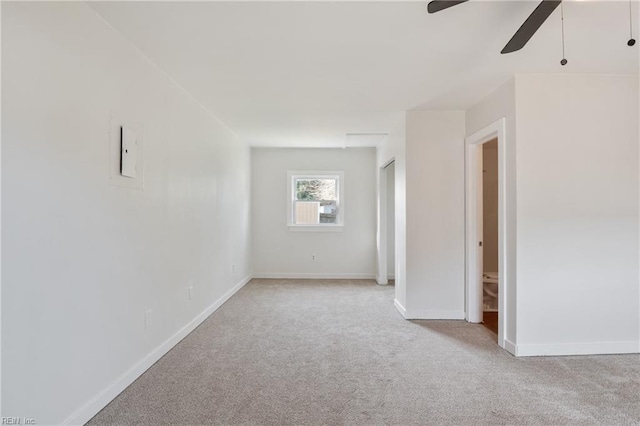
{"type": "Point", "coordinates": [564, 61]}
{"type": "Point", "coordinates": [631, 41]}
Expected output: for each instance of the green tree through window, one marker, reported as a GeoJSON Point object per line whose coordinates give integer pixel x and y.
{"type": "Point", "coordinates": [315, 189]}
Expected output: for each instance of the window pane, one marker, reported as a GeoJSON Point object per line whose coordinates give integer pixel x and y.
{"type": "Point", "coordinates": [315, 189]}
{"type": "Point", "coordinates": [315, 212]}
{"type": "Point", "coordinates": [328, 212]}
{"type": "Point", "coordinates": [307, 213]}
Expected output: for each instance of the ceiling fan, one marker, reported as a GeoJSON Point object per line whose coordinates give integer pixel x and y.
{"type": "Point", "coordinates": [524, 33]}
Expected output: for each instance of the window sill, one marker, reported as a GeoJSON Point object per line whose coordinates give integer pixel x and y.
{"type": "Point", "coordinates": [316, 228]}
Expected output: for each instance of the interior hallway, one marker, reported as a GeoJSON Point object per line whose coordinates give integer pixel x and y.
{"type": "Point", "coordinates": [338, 352]}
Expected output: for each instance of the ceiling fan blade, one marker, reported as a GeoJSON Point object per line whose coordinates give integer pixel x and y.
{"type": "Point", "coordinates": [438, 5]}
{"type": "Point", "coordinates": [531, 25]}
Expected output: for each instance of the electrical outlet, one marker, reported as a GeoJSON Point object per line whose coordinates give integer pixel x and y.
{"type": "Point", "coordinates": [233, 267]}
{"type": "Point", "coordinates": [313, 257]}
{"type": "Point", "coordinates": [190, 292]}
{"type": "Point", "coordinates": [147, 318]}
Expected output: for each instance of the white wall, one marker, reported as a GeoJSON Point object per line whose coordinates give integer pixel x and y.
{"type": "Point", "coordinates": [281, 252]}
{"type": "Point", "coordinates": [83, 259]}
{"type": "Point", "coordinates": [435, 214]}
{"type": "Point", "coordinates": [502, 104]}
{"type": "Point", "coordinates": [577, 177]}
{"type": "Point", "coordinates": [428, 148]}
{"type": "Point", "coordinates": [394, 148]}
{"type": "Point", "coordinates": [573, 159]}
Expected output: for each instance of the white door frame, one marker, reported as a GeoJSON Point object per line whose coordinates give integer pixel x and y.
{"type": "Point", "coordinates": [473, 201]}
{"type": "Point", "coordinates": [383, 232]}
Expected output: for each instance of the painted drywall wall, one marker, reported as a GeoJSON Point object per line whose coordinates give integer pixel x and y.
{"type": "Point", "coordinates": [394, 149]}
{"type": "Point", "coordinates": [573, 158]}
{"type": "Point", "coordinates": [281, 252]}
{"type": "Point", "coordinates": [577, 177]}
{"type": "Point", "coordinates": [490, 206]}
{"type": "Point", "coordinates": [83, 258]}
{"type": "Point", "coordinates": [501, 103]}
{"type": "Point", "coordinates": [435, 214]}
{"type": "Point", "coordinates": [391, 221]}
{"type": "Point", "coordinates": [428, 148]}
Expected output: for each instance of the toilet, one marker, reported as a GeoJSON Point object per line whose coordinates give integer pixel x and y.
{"type": "Point", "coordinates": [490, 291]}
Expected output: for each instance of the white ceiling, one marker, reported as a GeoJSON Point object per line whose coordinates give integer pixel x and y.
{"type": "Point", "coordinates": [308, 73]}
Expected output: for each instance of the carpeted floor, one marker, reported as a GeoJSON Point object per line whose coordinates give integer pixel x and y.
{"type": "Point", "coordinates": [296, 352]}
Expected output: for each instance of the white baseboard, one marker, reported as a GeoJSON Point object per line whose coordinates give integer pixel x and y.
{"type": "Point", "coordinates": [381, 281]}
{"type": "Point", "coordinates": [427, 315]}
{"type": "Point", "coordinates": [400, 308]}
{"type": "Point", "coordinates": [97, 403]}
{"type": "Point", "coordinates": [592, 348]}
{"type": "Point", "coordinates": [510, 347]}
{"type": "Point", "coordinates": [434, 315]}
{"type": "Point", "coordinates": [391, 277]}
{"type": "Point", "coordinates": [314, 276]}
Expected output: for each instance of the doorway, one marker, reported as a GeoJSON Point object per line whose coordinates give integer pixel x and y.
{"type": "Point", "coordinates": [486, 266]}
{"type": "Point", "coordinates": [386, 235]}
{"type": "Point", "coordinates": [490, 235]}
{"type": "Point", "coordinates": [391, 223]}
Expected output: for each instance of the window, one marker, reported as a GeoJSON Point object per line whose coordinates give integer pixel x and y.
{"type": "Point", "coordinates": [315, 201]}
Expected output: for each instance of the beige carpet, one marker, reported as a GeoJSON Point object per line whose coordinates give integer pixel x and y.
{"type": "Point", "coordinates": [295, 352]}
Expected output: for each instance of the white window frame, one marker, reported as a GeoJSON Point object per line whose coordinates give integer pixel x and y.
{"type": "Point", "coordinates": [324, 227]}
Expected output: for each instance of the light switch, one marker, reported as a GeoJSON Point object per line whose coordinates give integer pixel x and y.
{"type": "Point", "coordinates": [128, 152]}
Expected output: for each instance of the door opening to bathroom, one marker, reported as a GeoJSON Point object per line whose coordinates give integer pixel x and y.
{"type": "Point", "coordinates": [487, 248]}
{"type": "Point", "coordinates": [490, 235]}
